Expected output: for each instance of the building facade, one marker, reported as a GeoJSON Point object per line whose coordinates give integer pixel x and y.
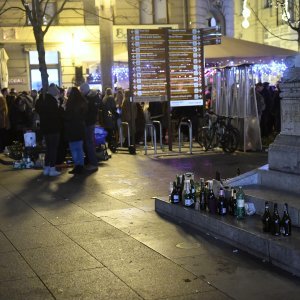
{"type": "Point", "coordinates": [73, 43]}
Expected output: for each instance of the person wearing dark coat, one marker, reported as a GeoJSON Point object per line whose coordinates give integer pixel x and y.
{"type": "Point", "coordinates": [92, 100]}
{"type": "Point", "coordinates": [74, 126]}
{"type": "Point", "coordinates": [49, 110]}
{"type": "Point", "coordinates": [109, 114]}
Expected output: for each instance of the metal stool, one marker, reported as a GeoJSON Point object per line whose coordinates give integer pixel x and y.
{"type": "Point", "coordinates": [160, 132]}
{"type": "Point", "coordinates": [153, 136]}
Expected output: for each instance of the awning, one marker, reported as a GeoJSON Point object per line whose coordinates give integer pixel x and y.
{"type": "Point", "coordinates": [230, 49]}
{"type": "Point", "coordinates": [240, 51]}
{"type": "Point", "coordinates": [3, 68]}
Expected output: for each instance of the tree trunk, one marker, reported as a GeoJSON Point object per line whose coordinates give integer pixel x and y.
{"type": "Point", "coordinates": [39, 37]}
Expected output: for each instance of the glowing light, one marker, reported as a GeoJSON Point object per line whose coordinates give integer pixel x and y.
{"type": "Point", "coordinates": [245, 23]}
{"type": "Point", "coordinates": [246, 14]}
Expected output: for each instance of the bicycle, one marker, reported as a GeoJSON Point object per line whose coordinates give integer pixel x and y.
{"type": "Point", "coordinates": [219, 132]}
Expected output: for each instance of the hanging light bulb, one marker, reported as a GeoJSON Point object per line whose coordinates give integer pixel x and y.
{"type": "Point", "coordinates": [246, 14]}
{"type": "Point", "coordinates": [245, 23]}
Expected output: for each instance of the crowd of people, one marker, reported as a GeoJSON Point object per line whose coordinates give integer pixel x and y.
{"type": "Point", "coordinates": [65, 120]}
{"type": "Point", "coordinates": [268, 108]}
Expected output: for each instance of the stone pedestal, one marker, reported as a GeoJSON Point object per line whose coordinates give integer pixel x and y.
{"type": "Point", "coordinates": [284, 153]}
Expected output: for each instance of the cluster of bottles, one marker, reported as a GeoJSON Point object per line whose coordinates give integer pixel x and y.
{"type": "Point", "coordinates": [24, 163]}
{"type": "Point", "coordinates": [273, 224]}
{"type": "Point", "coordinates": [201, 197]}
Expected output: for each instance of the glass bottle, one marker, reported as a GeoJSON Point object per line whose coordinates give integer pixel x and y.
{"type": "Point", "coordinates": [211, 199]}
{"type": "Point", "coordinates": [178, 186]}
{"type": "Point", "coordinates": [275, 228]}
{"type": "Point", "coordinates": [222, 207]}
{"type": "Point", "coordinates": [202, 195]}
{"type": "Point", "coordinates": [174, 194]}
{"type": "Point", "coordinates": [240, 204]}
{"type": "Point", "coordinates": [232, 202]}
{"type": "Point", "coordinates": [187, 196]}
{"type": "Point", "coordinates": [193, 192]}
{"type": "Point", "coordinates": [286, 222]}
{"type": "Point", "coordinates": [266, 218]}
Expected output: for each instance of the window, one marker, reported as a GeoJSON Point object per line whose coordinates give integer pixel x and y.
{"type": "Point", "coordinates": [160, 12]}
{"type": "Point", "coordinates": [90, 13]}
{"type": "Point", "coordinates": [268, 3]}
{"type": "Point", "coordinates": [49, 13]}
{"type": "Point", "coordinates": [52, 61]}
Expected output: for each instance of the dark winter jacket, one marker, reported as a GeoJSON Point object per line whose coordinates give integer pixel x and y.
{"type": "Point", "coordinates": [93, 100]}
{"type": "Point", "coordinates": [74, 125]}
{"type": "Point", "coordinates": [109, 112]}
{"type": "Point", "coordinates": [50, 114]}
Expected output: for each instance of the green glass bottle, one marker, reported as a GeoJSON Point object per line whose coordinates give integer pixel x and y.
{"type": "Point", "coordinates": [286, 222]}
{"type": "Point", "coordinates": [240, 204]}
{"type": "Point", "coordinates": [266, 218]}
{"type": "Point", "coordinates": [275, 229]}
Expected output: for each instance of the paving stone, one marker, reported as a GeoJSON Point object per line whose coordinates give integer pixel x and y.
{"type": "Point", "coordinates": [5, 244]}
{"type": "Point", "coordinates": [36, 237]}
{"type": "Point", "coordinates": [97, 283]}
{"type": "Point", "coordinates": [89, 232]}
{"type": "Point", "coordinates": [65, 258]}
{"type": "Point", "coordinates": [13, 266]}
{"type": "Point", "coordinates": [25, 288]}
{"type": "Point", "coordinates": [159, 278]}
{"type": "Point", "coordinates": [211, 295]}
{"type": "Point", "coordinates": [108, 251]}
{"type": "Point", "coordinates": [23, 217]}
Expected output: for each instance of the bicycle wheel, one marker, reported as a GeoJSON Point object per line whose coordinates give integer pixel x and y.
{"type": "Point", "coordinates": [207, 137]}
{"type": "Point", "coordinates": [201, 134]}
{"type": "Point", "coordinates": [230, 141]}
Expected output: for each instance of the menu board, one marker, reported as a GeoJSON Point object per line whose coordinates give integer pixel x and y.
{"type": "Point", "coordinates": [185, 64]}
{"type": "Point", "coordinates": [167, 64]}
{"type": "Point", "coordinates": [147, 64]}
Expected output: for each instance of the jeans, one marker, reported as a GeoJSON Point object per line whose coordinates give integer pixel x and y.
{"type": "Point", "coordinates": [89, 145]}
{"type": "Point", "coordinates": [51, 141]}
{"type": "Point", "coordinates": [76, 149]}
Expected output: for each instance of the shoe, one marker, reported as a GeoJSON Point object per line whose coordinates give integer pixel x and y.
{"type": "Point", "coordinates": [77, 170]}
{"type": "Point", "coordinates": [53, 172]}
{"type": "Point", "coordinates": [91, 168]}
{"type": "Point", "coordinates": [46, 171]}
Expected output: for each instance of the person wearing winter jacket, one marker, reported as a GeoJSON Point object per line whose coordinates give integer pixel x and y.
{"type": "Point", "coordinates": [50, 112]}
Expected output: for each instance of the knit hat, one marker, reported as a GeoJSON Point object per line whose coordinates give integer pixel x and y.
{"type": "Point", "coordinates": [84, 88]}
{"type": "Point", "coordinates": [53, 90]}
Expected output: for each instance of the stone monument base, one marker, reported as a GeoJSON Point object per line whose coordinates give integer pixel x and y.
{"type": "Point", "coordinates": [284, 154]}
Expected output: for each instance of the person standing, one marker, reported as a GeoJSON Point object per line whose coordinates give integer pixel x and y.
{"type": "Point", "coordinates": [74, 127]}
{"type": "Point", "coordinates": [129, 115]}
{"type": "Point", "coordinates": [49, 110]}
{"type": "Point", "coordinates": [109, 114]}
{"type": "Point", "coordinates": [92, 100]}
{"type": "Point", "coordinates": [4, 123]}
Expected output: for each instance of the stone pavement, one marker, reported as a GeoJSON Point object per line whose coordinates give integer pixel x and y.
{"type": "Point", "coordinates": [97, 236]}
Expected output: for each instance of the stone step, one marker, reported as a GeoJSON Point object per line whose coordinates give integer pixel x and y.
{"type": "Point", "coordinates": [258, 194]}
{"type": "Point", "coordinates": [246, 234]}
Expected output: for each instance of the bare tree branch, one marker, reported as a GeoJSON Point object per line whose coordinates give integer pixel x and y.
{"type": "Point", "coordinates": [263, 25]}
{"type": "Point", "coordinates": [54, 16]}
{"type": "Point", "coordinates": [45, 7]}
{"type": "Point", "coordinates": [2, 6]}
